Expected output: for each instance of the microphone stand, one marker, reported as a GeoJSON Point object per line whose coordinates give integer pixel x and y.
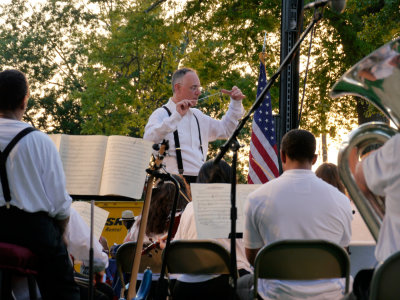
{"type": "Point", "coordinates": [161, 291]}
{"type": "Point", "coordinates": [91, 287]}
{"type": "Point", "coordinates": [233, 144]}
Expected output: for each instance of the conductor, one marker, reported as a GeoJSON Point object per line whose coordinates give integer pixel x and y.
{"type": "Point", "coordinates": [189, 130]}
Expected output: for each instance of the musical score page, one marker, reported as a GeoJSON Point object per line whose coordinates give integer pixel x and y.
{"type": "Point", "coordinates": [125, 165]}
{"type": "Point", "coordinates": [83, 158]}
{"type": "Point", "coordinates": [99, 218]}
{"type": "Point", "coordinates": [212, 206]}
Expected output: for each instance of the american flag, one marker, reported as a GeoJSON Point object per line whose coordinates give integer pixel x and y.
{"type": "Point", "coordinates": [263, 157]}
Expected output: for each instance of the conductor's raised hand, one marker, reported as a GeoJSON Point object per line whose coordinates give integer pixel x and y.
{"type": "Point", "coordinates": [235, 93]}
{"type": "Point", "coordinates": [183, 106]}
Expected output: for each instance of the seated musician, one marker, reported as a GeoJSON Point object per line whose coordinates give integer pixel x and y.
{"type": "Point", "coordinates": [207, 286]}
{"type": "Point", "coordinates": [158, 220]}
{"type": "Point", "coordinates": [296, 205]}
{"type": "Point", "coordinates": [160, 208]}
{"type": "Point", "coordinates": [379, 173]}
{"type": "Point", "coordinates": [77, 235]}
{"type": "Point", "coordinates": [34, 203]}
{"type": "Point", "coordinates": [128, 219]}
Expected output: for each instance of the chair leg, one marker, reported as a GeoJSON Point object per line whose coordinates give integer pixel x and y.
{"type": "Point", "coordinates": [5, 286]}
{"type": "Point", "coordinates": [32, 287]}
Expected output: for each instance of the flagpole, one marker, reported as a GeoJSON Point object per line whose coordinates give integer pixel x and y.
{"type": "Point", "coordinates": [260, 98]}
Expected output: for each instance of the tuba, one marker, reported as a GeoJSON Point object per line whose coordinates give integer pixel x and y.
{"type": "Point", "coordinates": [375, 78]}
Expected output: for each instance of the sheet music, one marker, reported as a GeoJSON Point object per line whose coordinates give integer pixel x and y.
{"type": "Point", "coordinates": [125, 165]}
{"type": "Point", "coordinates": [99, 220]}
{"type": "Point", "coordinates": [83, 159]}
{"type": "Point", "coordinates": [212, 206]}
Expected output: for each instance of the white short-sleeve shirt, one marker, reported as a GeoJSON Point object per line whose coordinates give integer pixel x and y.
{"type": "Point", "coordinates": [382, 174]}
{"type": "Point", "coordinates": [297, 205]}
{"type": "Point", "coordinates": [35, 173]}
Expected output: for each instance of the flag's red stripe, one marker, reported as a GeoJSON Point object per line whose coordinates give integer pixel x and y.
{"type": "Point", "coordinates": [257, 170]}
{"type": "Point", "coordinates": [265, 155]}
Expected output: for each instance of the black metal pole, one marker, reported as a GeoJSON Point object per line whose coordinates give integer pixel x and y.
{"type": "Point", "coordinates": [232, 143]}
{"type": "Point", "coordinates": [91, 288]}
{"type": "Point", "coordinates": [235, 147]}
{"type": "Point", "coordinates": [161, 292]}
{"type": "Point", "coordinates": [260, 98]}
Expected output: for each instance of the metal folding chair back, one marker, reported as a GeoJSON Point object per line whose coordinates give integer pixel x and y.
{"type": "Point", "coordinates": [385, 282]}
{"type": "Point", "coordinates": [197, 257]}
{"type": "Point", "coordinates": [301, 260]}
{"type": "Point", "coordinates": [125, 256]}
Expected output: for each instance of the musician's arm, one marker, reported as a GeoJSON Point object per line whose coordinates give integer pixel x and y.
{"type": "Point", "coordinates": [356, 167]}
{"type": "Point", "coordinates": [62, 224]}
{"type": "Point", "coordinates": [251, 255]}
{"type": "Point", "coordinates": [160, 124]}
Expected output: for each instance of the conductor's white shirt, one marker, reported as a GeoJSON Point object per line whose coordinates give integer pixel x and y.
{"type": "Point", "coordinates": [160, 126]}
{"type": "Point", "coordinates": [34, 171]}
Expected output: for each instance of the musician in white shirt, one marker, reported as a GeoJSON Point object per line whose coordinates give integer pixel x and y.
{"type": "Point", "coordinates": [179, 114]}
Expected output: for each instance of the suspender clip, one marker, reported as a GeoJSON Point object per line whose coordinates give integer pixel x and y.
{"type": "Point", "coordinates": [8, 205]}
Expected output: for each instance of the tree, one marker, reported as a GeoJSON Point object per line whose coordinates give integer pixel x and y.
{"type": "Point", "coordinates": [44, 41]}
{"type": "Point", "coordinates": [130, 67]}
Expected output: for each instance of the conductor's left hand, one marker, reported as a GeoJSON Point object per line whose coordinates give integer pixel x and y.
{"type": "Point", "coordinates": [235, 93]}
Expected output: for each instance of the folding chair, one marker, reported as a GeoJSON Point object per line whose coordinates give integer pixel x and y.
{"type": "Point", "coordinates": [197, 257]}
{"type": "Point", "coordinates": [301, 260]}
{"type": "Point", "coordinates": [124, 259]}
{"type": "Point", "coordinates": [385, 282]}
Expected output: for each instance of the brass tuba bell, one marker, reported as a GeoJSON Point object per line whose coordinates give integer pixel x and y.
{"type": "Point", "coordinates": [375, 78]}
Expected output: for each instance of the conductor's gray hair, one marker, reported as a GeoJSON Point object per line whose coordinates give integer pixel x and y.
{"type": "Point", "coordinates": [178, 74]}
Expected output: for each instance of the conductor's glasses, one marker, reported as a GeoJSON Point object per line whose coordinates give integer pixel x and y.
{"type": "Point", "coordinates": [194, 88]}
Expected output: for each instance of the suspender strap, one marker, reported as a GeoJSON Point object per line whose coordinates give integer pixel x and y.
{"type": "Point", "coordinates": [198, 127]}
{"type": "Point", "coordinates": [177, 147]}
{"type": "Point", "coordinates": [3, 159]}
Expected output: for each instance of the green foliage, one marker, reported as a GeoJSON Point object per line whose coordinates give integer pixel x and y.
{"type": "Point", "coordinates": [102, 66]}
{"type": "Point", "coordinates": [340, 42]}
{"type": "Point", "coordinates": [44, 41]}
{"type": "Point", "coordinates": [130, 69]}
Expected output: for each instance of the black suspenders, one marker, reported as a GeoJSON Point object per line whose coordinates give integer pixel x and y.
{"type": "Point", "coordinates": [3, 159]}
{"type": "Point", "coordinates": [178, 145]}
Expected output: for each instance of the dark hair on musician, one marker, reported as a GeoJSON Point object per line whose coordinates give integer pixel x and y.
{"type": "Point", "coordinates": [329, 173]}
{"type": "Point", "coordinates": [299, 145]}
{"type": "Point", "coordinates": [178, 74]}
{"type": "Point", "coordinates": [215, 173]}
{"type": "Point", "coordinates": [13, 89]}
{"type": "Point", "coordinates": [161, 203]}
{"type": "Point", "coordinates": [128, 223]}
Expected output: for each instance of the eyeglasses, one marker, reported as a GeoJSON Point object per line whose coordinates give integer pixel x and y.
{"type": "Point", "coordinates": [194, 88]}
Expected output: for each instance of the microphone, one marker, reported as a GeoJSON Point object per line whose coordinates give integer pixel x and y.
{"type": "Point", "coordinates": [336, 5]}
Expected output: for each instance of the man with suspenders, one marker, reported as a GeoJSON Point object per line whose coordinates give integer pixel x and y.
{"type": "Point", "coordinates": [34, 203]}
{"type": "Point", "coordinates": [188, 129]}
